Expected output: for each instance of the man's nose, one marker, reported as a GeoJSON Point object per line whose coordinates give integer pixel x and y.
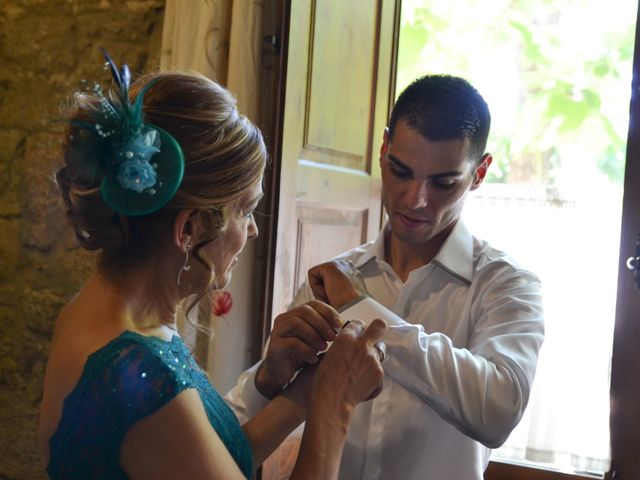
{"type": "Point", "coordinates": [417, 195]}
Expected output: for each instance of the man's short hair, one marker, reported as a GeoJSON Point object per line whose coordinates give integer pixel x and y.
{"type": "Point", "coordinates": [444, 107]}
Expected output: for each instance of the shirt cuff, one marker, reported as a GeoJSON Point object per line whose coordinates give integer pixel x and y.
{"type": "Point", "coordinates": [365, 309]}
{"type": "Point", "coordinates": [352, 303]}
{"type": "Point", "coordinates": [245, 399]}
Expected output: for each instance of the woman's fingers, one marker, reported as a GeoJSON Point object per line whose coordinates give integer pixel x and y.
{"type": "Point", "coordinates": [357, 353]}
{"type": "Point", "coordinates": [314, 323]}
{"type": "Point", "coordinates": [299, 349]}
{"type": "Point", "coordinates": [374, 331]}
{"type": "Point", "coordinates": [327, 313]}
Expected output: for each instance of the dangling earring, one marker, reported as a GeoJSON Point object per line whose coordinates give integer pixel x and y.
{"type": "Point", "coordinates": [185, 267]}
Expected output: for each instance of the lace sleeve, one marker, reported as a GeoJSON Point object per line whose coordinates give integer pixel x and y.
{"type": "Point", "coordinates": [123, 382]}
{"type": "Point", "coordinates": [141, 381]}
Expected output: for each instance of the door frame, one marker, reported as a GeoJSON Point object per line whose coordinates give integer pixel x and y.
{"type": "Point", "coordinates": [625, 363]}
{"type": "Point", "coordinates": [274, 74]}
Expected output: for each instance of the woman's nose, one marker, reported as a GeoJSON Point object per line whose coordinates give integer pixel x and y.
{"type": "Point", "coordinates": [253, 229]}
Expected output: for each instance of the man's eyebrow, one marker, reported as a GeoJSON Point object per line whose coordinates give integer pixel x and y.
{"type": "Point", "coordinates": [436, 176]}
{"type": "Point", "coordinates": [397, 162]}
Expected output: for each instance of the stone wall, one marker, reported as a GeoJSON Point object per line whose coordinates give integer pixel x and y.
{"type": "Point", "coordinates": [46, 48]}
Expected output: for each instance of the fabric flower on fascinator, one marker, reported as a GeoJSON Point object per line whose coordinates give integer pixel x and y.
{"type": "Point", "coordinates": [136, 171]}
{"type": "Point", "coordinates": [221, 303]}
{"type": "Point", "coordinates": [139, 166]}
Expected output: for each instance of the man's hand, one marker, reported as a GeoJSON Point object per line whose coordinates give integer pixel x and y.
{"type": "Point", "coordinates": [295, 341]}
{"type": "Point", "coordinates": [335, 282]}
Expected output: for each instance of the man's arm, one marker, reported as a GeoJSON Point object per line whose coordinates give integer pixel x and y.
{"type": "Point", "coordinates": [482, 389]}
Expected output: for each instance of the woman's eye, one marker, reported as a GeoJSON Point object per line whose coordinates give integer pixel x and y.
{"type": "Point", "coordinates": [248, 213]}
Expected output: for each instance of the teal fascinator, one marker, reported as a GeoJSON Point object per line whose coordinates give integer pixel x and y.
{"type": "Point", "coordinates": [141, 165]}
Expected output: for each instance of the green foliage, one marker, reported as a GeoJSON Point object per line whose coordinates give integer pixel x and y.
{"type": "Point", "coordinates": [556, 75]}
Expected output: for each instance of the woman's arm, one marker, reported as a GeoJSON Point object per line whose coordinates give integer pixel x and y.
{"type": "Point", "coordinates": [349, 374]}
{"type": "Point", "coordinates": [271, 425]}
{"type": "Point", "coordinates": [177, 441]}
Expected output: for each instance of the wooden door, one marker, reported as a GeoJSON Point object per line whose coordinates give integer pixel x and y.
{"type": "Point", "coordinates": [338, 91]}
{"type": "Point", "coordinates": [340, 74]}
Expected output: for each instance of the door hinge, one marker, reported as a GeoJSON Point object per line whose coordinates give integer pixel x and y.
{"type": "Point", "coordinates": [274, 41]}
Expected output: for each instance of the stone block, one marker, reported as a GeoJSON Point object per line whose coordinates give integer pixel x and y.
{"type": "Point", "coordinates": [12, 143]}
{"type": "Point", "coordinates": [10, 248]}
{"type": "Point", "coordinates": [43, 222]}
{"type": "Point", "coordinates": [40, 308]}
{"type": "Point", "coordinates": [41, 38]}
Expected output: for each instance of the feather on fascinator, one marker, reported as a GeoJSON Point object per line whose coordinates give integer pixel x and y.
{"type": "Point", "coordinates": [140, 165]}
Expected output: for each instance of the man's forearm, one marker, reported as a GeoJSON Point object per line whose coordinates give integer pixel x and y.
{"type": "Point", "coordinates": [481, 390]}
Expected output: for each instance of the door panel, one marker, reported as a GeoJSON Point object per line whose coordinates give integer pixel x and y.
{"type": "Point", "coordinates": [340, 102]}
{"type": "Point", "coordinates": [340, 229]}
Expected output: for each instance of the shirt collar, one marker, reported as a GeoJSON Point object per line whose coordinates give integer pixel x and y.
{"type": "Point", "coordinates": [455, 256]}
{"type": "Point", "coordinates": [374, 250]}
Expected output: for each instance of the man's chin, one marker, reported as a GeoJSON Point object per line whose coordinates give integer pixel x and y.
{"type": "Point", "coordinates": [416, 236]}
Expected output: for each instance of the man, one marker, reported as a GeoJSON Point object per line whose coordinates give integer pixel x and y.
{"type": "Point", "coordinates": [465, 321]}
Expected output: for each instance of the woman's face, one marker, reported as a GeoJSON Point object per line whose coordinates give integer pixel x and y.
{"type": "Point", "coordinates": [223, 252]}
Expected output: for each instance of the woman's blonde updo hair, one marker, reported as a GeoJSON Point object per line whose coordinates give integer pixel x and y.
{"type": "Point", "coordinates": [224, 155]}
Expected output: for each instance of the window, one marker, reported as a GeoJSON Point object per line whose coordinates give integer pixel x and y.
{"type": "Point", "coordinates": [556, 76]}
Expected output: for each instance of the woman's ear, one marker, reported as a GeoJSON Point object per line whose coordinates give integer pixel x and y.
{"type": "Point", "coordinates": [183, 228]}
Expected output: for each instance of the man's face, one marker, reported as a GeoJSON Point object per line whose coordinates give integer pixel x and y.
{"type": "Point", "coordinates": [424, 183]}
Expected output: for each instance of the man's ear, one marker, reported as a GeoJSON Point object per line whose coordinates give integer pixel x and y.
{"type": "Point", "coordinates": [385, 142]}
{"type": "Point", "coordinates": [183, 228]}
{"type": "Point", "coordinates": [481, 170]}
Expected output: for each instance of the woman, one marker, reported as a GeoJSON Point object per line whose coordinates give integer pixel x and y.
{"type": "Point", "coordinates": [162, 180]}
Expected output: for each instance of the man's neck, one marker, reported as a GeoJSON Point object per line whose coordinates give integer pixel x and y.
{"type": "Point", "coordinates": [404, 257]}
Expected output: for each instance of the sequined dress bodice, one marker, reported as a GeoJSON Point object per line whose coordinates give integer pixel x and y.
{"type": "Point", "coordinates": [126, 380]}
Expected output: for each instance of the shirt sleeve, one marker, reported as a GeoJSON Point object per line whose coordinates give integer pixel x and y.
{"type": "Point", "coordinates": [244, 398]}
{"type": "Point", "coordinates": [483, 389]}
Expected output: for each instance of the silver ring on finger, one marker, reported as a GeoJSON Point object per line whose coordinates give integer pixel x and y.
{"type": "Point", "coordinates": [381, 348]}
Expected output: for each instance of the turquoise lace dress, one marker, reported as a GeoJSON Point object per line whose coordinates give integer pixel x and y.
{"type": "Point", "coordinates": [126, 380]}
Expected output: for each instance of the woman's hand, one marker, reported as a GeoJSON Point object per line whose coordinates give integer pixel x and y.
{"type": "Point", "coordinates": [298, 336]}
{"type": "Point", "coordinates": [350, 371]}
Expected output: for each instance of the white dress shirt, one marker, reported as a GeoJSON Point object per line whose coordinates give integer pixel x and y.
{"type": "Point", "coordinates": [462, 344]}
